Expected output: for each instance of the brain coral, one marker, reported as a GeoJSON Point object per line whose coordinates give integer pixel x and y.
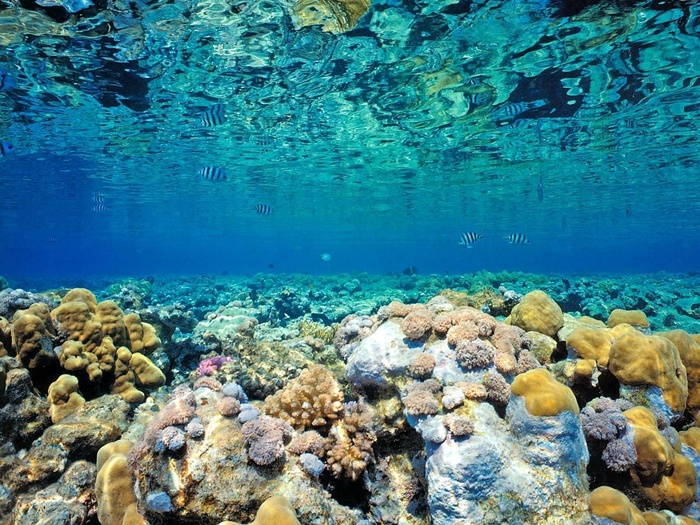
{"type": "Point", "coordinates": [544, 395]}
{"type": "Point", "coordinates": [312, 400]}
{"type": "Point", "coordinates": [637, 359]}
{"type": "Point", "coordinates": [537, 311]}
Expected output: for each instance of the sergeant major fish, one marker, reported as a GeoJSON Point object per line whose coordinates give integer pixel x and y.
{"type": "Point", "coordinates": [469, 238]}
{"type": "Point", "coordinates": [213, 173]}
{"type": "Point", "coordinates": [263, 209]}
{"type": "Point", "coordinates": [517, 238]}
{"type": "Point", "coordinates": [214, 116]}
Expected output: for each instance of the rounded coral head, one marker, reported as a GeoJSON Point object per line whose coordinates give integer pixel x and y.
{"type": "Point", "coordinates": [544, 395]}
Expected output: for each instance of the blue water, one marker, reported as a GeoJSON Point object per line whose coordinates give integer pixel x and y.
{"type": "Point", "coordinates": [378, 142]}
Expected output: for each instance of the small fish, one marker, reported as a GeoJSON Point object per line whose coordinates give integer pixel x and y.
{"type": "Point", "coordinates": [469, 238]}
{"type": "Point", "coordinates": [540, 189]}
{"type": "Point", "coordinates": [214, 173]}
{"type": "Point", "coordinates": [513, 110]}
{"type": "Point", "coordinates": [628, 212]}
{"type": "Point", "coordinates": [6, 148]}
{"type": "Point", "coordinates": [325, 257]}
{"type": "Point", "coordinates": [98, 197]}
{"type": "Point", "coordinates": [517, 238]}
{"type": "Point", "coordinates": [263, 209]}
{"type": "Point", "coordinates": [6, 80]}
{"type": "Point", "coordinates": [99, 208]}
{"type": "Point", "coordinates": [213, 116]}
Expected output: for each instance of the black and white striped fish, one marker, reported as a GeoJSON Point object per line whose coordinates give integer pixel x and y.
{"type": "Point", "coordinates": [263, 209]}
{"type": "Point", "coordinates": [6, 148]}
{"type": "Point", "coordinates": [214, 116]}
{"type": "Point", "coordinates": [517, 238]}
{"type": "Point", "coordinates": [98, 197]}
{"type": "Point", "coordinates": [99, 208]}
{"type": "Point", "coordinates": [214, 173]}
{"type": "Point", "coordinates": [469, 238]}
{"type": "Point", "coordinates": [512, 110]}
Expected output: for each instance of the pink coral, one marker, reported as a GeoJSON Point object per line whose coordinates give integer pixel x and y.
{"type": "Point", "coordinates": [422, 366]}
{"type": "Point", "coordinates": [265, 438]}
{"type": "Point", "coordinates": [211, 365]}
{"type": "Point", "coordinates": [464, 331]}
{"type": "Point", "coordinates": [417, 324]}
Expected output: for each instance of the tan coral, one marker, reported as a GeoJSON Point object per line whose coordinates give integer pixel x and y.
{"type": "Point", "coordinates": [116, 501]}
{"type": "Point", "coordinates": [539, 312]}
{"type": "Point", "coordinates": [76, 319]}
{"type": "Point", "coordinates": [607, 502]}
{"type": "Point", "coordinates": [689, 351]}
{"type": "Point", "coordinates": [32, 343]}
{"type": "Point", "coordinates": [74, 358]}
{"type": "Point", "coordinates": [276, 510]}
{"type": "Point", "coordinates": [417, 324]}
{"type": "Point", "coordinates": [64, 397]}
{"type": "Point", "coordinates": [635, 318]}
{"type": "Point", "coordinates": [312, 400]}
{"type": "Point", "coordinates": [544, 395]}
{"type": "Point", "coordinates": [142, 335]}
{"type": "Point", "coordinates": [636, 359]}
{"type": "Point", "coordinates": [662, 475]}
{"type": "Point", "coordinates": [82, 295]}
{"type": "Point", "coordinates": [111, 318]}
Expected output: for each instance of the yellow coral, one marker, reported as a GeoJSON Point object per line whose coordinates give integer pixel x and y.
{"type": "Point", "coordinates": [537, 311]}
{"type": "Point", "coordinates": [76, 319]}
{"type": "Point", "coordinates": [544, 395]}
{"type": "Point", "coordinates": [636, 359]}
{"type": "Point", "coordinates": [83, 295]}
{"type": "Point", "coordinates": [142, 335]}
{"type": "Point", "coordinates": [663, 476]}
{"type": "Point", "coordinates": [64, 397]}
{"type": "Point", "coordinates": [635, 318]}
{"type": "Point", "coordinates": [112, 319]}
{"type": "Point", "coordinates": [276, 510]}
{"type": "Point", "coordinates": [689, 351]}
{"type": "Point", "coordinates": [606, 502]}
{"type": "Point", "coordinates": [334, 16]}
{"type": "Point", "coordinates": [116, 501]}
{"type": "Point", "coordinates": [591, 343]}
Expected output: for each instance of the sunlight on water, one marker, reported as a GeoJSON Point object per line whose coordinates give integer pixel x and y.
{"type": "Point", "coordinates": [406, 126]}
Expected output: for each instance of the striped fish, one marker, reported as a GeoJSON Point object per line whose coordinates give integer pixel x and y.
{"type": "Point", "coordinates": [517, 238]}
{"type": "Point", "coordinates": [214, 173]}
{"type": "Point", "coordinates": [263, 209]}
{"type": "Point", "coordinates": [98, 197]}
{"type": "Point", "coordinates": [213, 116]}
{"type": "Point", "coordinates": [99, 208]}
{"type": "Point", "coordinates": [469, 238]}
{"type": "Point", "coordinates": [6, 148]}
{"type": "Point", "coordinates": [512, 110]}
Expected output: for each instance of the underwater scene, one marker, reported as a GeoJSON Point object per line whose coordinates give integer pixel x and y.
{"type": "Point", "coordinates": [349, 262]}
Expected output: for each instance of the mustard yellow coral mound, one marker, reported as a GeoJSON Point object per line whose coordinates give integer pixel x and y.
{"type": "Point", "coordinates": [276, 510]}
{"type": "Point", "coordinates": [312, 400]}
{"type": "Point", "coordinates": [64, 397]}
{"type": "Point", "coordinates": [635, 318]}
{"type": "Point", "coordinates": [116, 501]}
{"type": "Point", "coordinates": [689, 351]}
{"type": "Point", "coordinates": [636, 359]}
{"type": "Point", "coordinates": [591, 343]}
{"type": "Point", "coordinates": [537, 311]}
{"type": "Point", "coordinates": [661, 475]}
{"type": "Point", "coordinates": [606, 502]}
{"type": "Point", "coordinates": [544, 395]}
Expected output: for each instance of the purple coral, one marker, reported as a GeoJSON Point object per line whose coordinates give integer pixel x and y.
{"type": "Point", "coordinates": [619, 455]}
{"type": "Point", "coordinates": [170, 438]}
{"type": "Point", "coordinates": [474, 354]}
{"type": "Point", "coordinates": [211, 365]}
{"type": "Point", "coordinates": [604, 426]}
{"type": "Point", "coordinates": [265, 437]}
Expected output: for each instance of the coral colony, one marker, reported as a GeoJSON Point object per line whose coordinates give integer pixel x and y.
{"type": "Point", "coordinates": [427, 411]}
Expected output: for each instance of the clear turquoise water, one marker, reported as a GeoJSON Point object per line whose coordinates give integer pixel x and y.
{"type": "Point", "coordinates": [379, 144]}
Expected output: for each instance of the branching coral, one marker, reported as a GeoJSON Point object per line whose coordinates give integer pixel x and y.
{"type": "Point", "coordinates": [312, 400]}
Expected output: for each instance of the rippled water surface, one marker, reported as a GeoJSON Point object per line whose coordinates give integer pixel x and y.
{"type": "Point", "coordinates": [377, 132]}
